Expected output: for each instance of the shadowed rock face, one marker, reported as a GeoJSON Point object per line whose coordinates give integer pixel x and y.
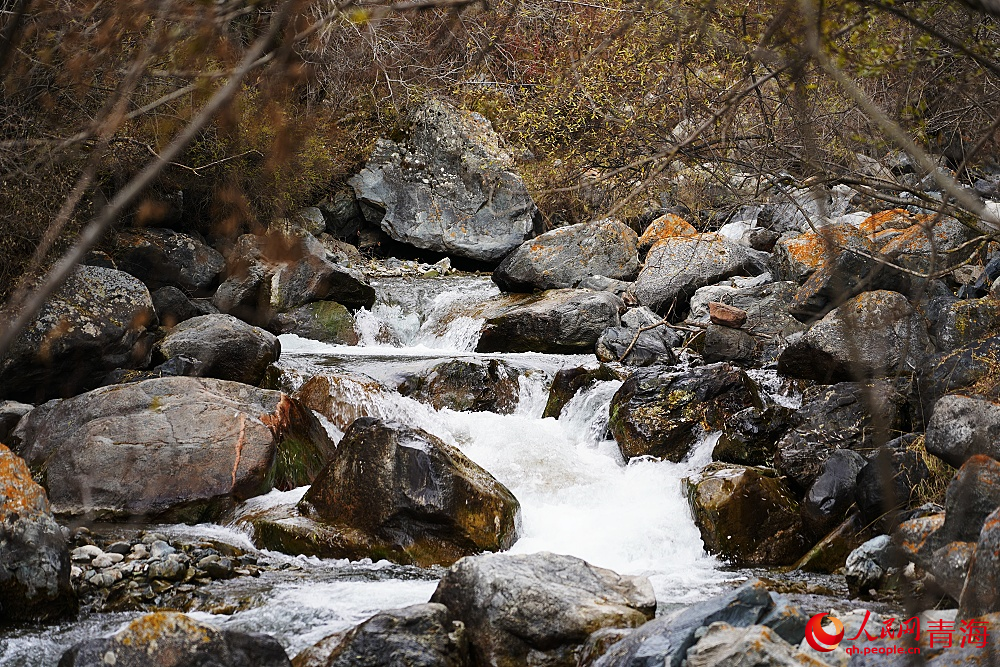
{"type": "Point", "coordinates": [34, 558]}
{"type": "Point", "coordinates": [223, 347]}
{"type": "Point", "coordinates": [452, 189]}
{"type": "Point", "coordinates": [180, 449]}
{"type": "Point", "coordinates": [162, 257]}
{"type": "Point", "coordinates": [96, 322]}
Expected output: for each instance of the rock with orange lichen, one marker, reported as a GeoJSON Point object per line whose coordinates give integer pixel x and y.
{"type": "Point", "coordinates": [178, 449]}
{"type": "Point", "coordinates": [798, 256]}
{"type": "Point", "coordinates": [874, 334]}
{"type": "Point", "coordinates": [34, 557]}
{"type": "Point", "coordinates": [565, 256]}
{"type": "Point", "coordinates": [896, 218]}
{"type": "Point", "coordinates": [846, 272]}
{"type": "Point", "coordinates": [918, 250]}
{"type": "Point", "coordinates": [981, 594]}
{"type": "Point", "coordinates": [678, 265]}
{"type": "Point", "coordinates": [664, 227]}
{"type": "Point", "coordinates": [170, 639]}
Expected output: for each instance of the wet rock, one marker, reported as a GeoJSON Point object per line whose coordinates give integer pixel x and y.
{"type": "Point", "coordinates": [981, 594]}
{"type": "Point", "coordinates": [830, 553]}
{"type": "Point", "coordinates": [868, 564]}
{"type": "Point", "coordinates": [341, 397]}
{"type": "Point", "coordinates": [570, 381]}
{"type": "Point", "coordinates": [971, 497]}
{"type": "Point", "coordinates": [169, 639]}
{"type": "Point", "coordinates": [678, 265]}
{"type": "Point", "coordinates": [565, 256]}
{"type": "Point", "coordinates": [725, 646]}
{"type": "Point", "coordinates": [179, 449]}
{"type": "Point", "coordinates": [539, 608]}
{"type": "Point", "coordinates": [750, 436]}
{"type": "Point", "coordinates": [326, 321]}
{"type": "Point", "coordinates": [873, 335]}
{"type": "Point", "coordinates": [832, 494]}
{"type": "Point", "coordinates": [643, 348]}
{"type": "Point", "coordinates": [657, 409]}
{"type": "Point", "coordinates": [886, 482]}
{"type": "Point", "coordinates": [452, 189]}
{"type": "Point", "coordinates": [798, 255]}
{"type": "Point", "coordinates": [665, 640]}
{"type": "Point", "coordinates": [963, 426]}
{"type": "Point", "coordinates": [965, 322]}
{"type": "Point", "coordinates": [94, 323]}
{"type": "Point", "coordinates": [423, 635]}
{"type": "Point", "coordinates": [844, 273]}
{"type": "Point", "coordinates": [224, 347]}
{"type": "Point", "coordinates": [34, 555]}
{"type": "Point", "coordinates": [556, 321]}
{"type": "Point", "coordinates": [281, 270]}
{"type": "Point", "coordinates": [468, 386]}
{"type": "Point", "coordinates": [725, 315]}
{"type": "Point", "coordinates": [747, 516]}
{"type": "Point", "coordinates": [11, 413]}
{"type": "Point", "coordinates": [917, 250]}
{"type": "Point", "coordinates": [662, 228]}
{"type": "Point", "coordinates": [847, 415]}
{"type": "Point", "coordinates": [162, 257]}
{"type": "Point", "coordinates": [411, 497]}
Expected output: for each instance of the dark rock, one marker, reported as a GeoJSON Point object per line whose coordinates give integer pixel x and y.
{"type": "Point", "coordinates": [664, 641]}
{"type": "Point", "coordinates": [679, 265]}
{"type": "Point", "coordinates": [179, 449]}
{"type": "Point", "coordinates": [848, 415]}
{"type": "Point", "coordinates": [763, 239]}
{"type": "Point", "coordinates": [653, 346]}
{"type": "Point", "coordinates": [423, 635]}
{"type": "Point", "coordinates": [919, 538]}
{"type": "Point", "coordinates": [567, 255]}
{"type": "Point", "coordinates": [451, 190]}
{"type": "Point", "coordinates": [750, 436]}
{"type": "Point", "coordinates": [786, 620]}
{"type": "Point", "coordinates": [725, 344]}
{"type": "Point", "coordinates": [961, 323]}
{"type": "Point", "coordinates": [981, 594]}
{"type": "Point", "coordinates": [604, 284]}
{"type": "Point", "coordinates": [468, 386]}
{"type": "Point", "coordinates": [11, 413]}
{"type": "Point", "coordinates": [886, 482]}
{"type": "Point", "coordinates": [844, 273]}
{"type": "Point", "coordinates": [172, 307]}
{"type": "Point", "coordinates": [969, 368]}
{"type": "Point", "coordinates": [747, 516]}
{"type": "Point", "coordinates": [963, 426]}
{"type": "Point", "coordinates": [556, 321]}
{"type": "Point", "coordinates": [412, 497]}
{"type": "Point", "coordinates": [949, 565]}
{"type": "Point", "coordinates": [169, 639]}
{"type": "Point", "coordinates": [656, 411]}
{"type": "Point", "coordinates": [34, 555]}
{"type": "Point", "coordinates": [832, 494]}
{"type": "Point", "coordinates": [569, 381]}
{"type": "Point", "coordinates": [971, 497]}
{"type": "Point", "coordinates": [539, 608]}
{"type": "Point", "coordinates": [798, 255]}
{"type": "Point", "coordinates": [326, 321]}
{"type": "Point", "coordinates": [162, 257]}
{"type": "Point", "coordinates": [868, 564]}
{"type": "Point", "coordinates": [343, 216]}
{"type": "Point", "coordinates": [172, 367]}
{"type": "Point", "coordinates": [873, 335]}
{"type": "Point", "coordinates": [94, 323]}
{"type": "Point", "coordinates": [225, 347]}
{"type": "Point", "coordinates": [830, 553]}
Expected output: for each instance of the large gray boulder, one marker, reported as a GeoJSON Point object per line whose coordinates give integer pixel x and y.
{"type": "Point", "coordinates": [678, 265]}
{"type": "Point", "coordinates": [422, 635]}
{"type": "Point", "coordinates": [875, 334]}
{"type": "Point", "coordinates": [557, 321]}
{"type": "Point", "coordinates": [918, 250]}
{"type": "Point", "coordinates": [797, 256]}
{"type": "Point", "coordinates": [34, 557]}
{"type": "Point", "coordinates": [169, 639]}
{"type": "Point", "coordinates": [725, 646]}
{"type": "Point", "coordinates": [451, 189]}
{"type": "Point", "coordinates": [96, 322]}
{"type": "Point", "coordinates": [163, 257]}
{"type": "Point", "coordinates": [223, 347]}
{"type": "Point", "coordinates": [539, 608]}
{"type": "Point", "coordinates": [567, 255]}
{"type": "Point", "coordinates": [179, 448]}
{"type": "Point", "coordinates": [466, 385]}
{"type": "Point", "coordinates": [963, 426]}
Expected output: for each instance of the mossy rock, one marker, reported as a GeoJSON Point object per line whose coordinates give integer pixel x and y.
{"type": "Point", "coordinates": [326, 321]}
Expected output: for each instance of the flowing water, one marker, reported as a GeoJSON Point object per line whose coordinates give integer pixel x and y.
{"type": "Point", "coordinates": [577, 494]}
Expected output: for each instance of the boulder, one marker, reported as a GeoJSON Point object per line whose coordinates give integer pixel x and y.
{"type": "Point", "coordinates": [422, 635]}
{"type": "Point", "coordinates": [34, 555]}
{"type": "Point", "coordinates": [637, 348]}
{"type": "Point", "coordinates": [726, 344]}
{"type": "Point", "coordinates": [747, 516]}
{"type": "Point", "coordinates": [567, 255]}
{"type": "Point", "coordinates": [888, 479]}
{"type": "Point", "coordinates": [326, 321]}
{"type": "Point", "coordinates": [11, 413]}
{"type": "Point", "coordinates": [949, 566]}
{"type": "Point", "coordinates": [665, 640]}
{"type": "Point", "coordinates": [920, 537]}
{"type": "Point", "coordinates": [172, 306]}
{"type": "Point", "coordinates": [725, 646]}
{"type": "Point", "coordinates": [832, 494]}
{"type": "Point", "coordinates": [489, 385]}
{"type": "Point", "coordinates": [570, 381]}
{"type": "Point", "coordinates": [557, 321]}
{"type": "Point", "coordinates": [452, 189]}
{"type": "Point", "coordinates": [344, 218]}
{"type": "Point", "coordinates": [981, 593]}
{"type": "Point", "coordinates": [848, 415]}
{"type": "Point", "coordinates": [656, 411]}
{"type": "Point", "coordinates": [170, 639]}
{"type": "Point", "coordinates": [830, 553]}
{"type": "Point", "coordinates": [94, 323]}
{"type": "Point", "coordinates": [174, 449]}
{"type": "Point", "coordinates": [662, 228]}
{"type": "Point", "coordinates": [750, 436]}
{"type": "Point", "coordinates": [867, 565]}
{"type": "Point", "coordinates": [917, 250]}
{"type": "Point", "coordinates": [873, 335]}
{"type": "Point", "coordinates": [844, 273]}
{"type": "Point", "coordinates": [223, 347]}
{"type": "Point", "coordinates": [970, 368]}
{"type": "Point", "coordinates": [163, 257]}
{"type": "Point", "coordinates": [539, 608]}
{"type": "Point", "coordinates": [275, 272]}
{"type": "Point", "coordinates": [972, 496]}
{"type": "Point", "coordinates": [963, 426]}
{"type": "Point", "coordinates": [798, 255]}
{"type": "Point", "coordinates": [678, 265]}
{"type": "Point", "coordinates": [964, 322]}
{"type": "Point", "coordinates": [411, 497]}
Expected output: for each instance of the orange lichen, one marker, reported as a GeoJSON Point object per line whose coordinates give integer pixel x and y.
{"type": "Point", "coordinates": [666, 226]}
{"type": "Point", "coordinates": [146, 630]}
{"type": "Point", "coordinates": [813, 248]}
{"type": "Point", "coordinates": [18, 492]}
{"type": "Point", "coordinates": [896, 218]}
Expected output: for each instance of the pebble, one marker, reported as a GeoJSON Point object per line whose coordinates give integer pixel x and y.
{"type": "Point", "coordinates": [122, 548]}
{"type": "Point", "coordinates": [160, 548]}
{"type": "Point", "coordinates": [107, 560]}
